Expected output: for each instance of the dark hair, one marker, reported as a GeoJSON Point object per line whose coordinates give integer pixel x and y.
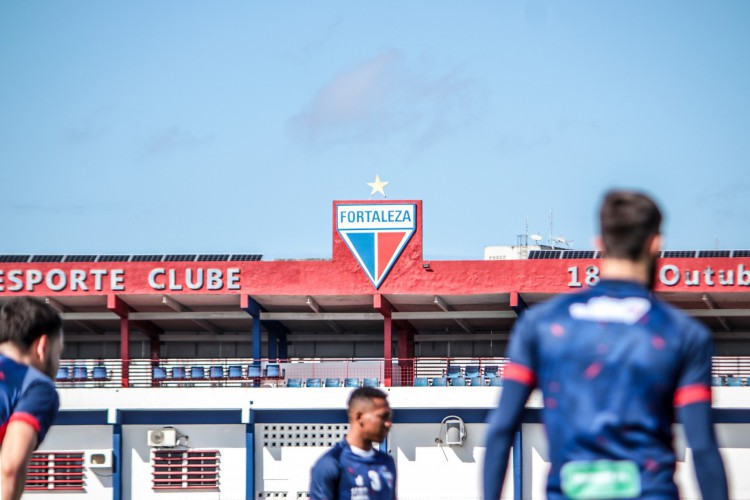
{"type": "Point", "coordinates": [24, 319]}
{"type": "Point", "coordinates": [628, 219]}
{"type": "Point", "coordinates": [364, 393]}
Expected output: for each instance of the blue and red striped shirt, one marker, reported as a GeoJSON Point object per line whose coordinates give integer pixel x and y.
{"type": "Point", "coordinates": [613, 363]}
{"type": "Point", "coordinates": [27, 395]}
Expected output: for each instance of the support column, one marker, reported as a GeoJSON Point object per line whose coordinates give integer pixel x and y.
{"type": "Point", "coordinates": [117, 458]}
{"type": "Point", "coordinates": [273, 340]}
{"type": "Point", "coordinates": [122, 309]}
{"type": "Point", "coordinates": [250, 457]}
{"type": "Point", "coordinates": [155, 357]}
{"type": "Point", "coordinates": [117, 306]}
{"type": "Point", "coordinates": [517, 303]}
{"type": "Point", "coordinates": [283, 345]}
{"type": "Point", "coordinates": [406, 361]}
{"type": "Point", "coordinates": [385, 308]}
{"type": "Point", "coordinates": [251, 307]}
{"type": "Point", "coordinates": [125, 351]}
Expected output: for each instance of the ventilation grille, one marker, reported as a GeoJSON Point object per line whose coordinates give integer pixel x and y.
{"type": "Point", "coordinates": [289, 435]}
{"type": "Point", "coordinates": [185, 469]}
{"type": "Point", "coordinates": [300, 495]}
{"type": "Point", "coordinates": [55, 470]}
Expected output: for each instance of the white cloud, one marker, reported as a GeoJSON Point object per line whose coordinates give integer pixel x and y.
{"type": "Point", "coordinates": [383, 96]}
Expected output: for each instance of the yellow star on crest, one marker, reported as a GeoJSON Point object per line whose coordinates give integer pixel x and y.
{"type": "Point", "coordinates": [377, 186]}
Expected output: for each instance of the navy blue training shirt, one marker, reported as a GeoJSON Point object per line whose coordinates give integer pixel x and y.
{"type": "Point", "coordinates": [613, 363]}
{"type": "Point", "coordinates": [28, 395]}
{"type": "Point", "coordinates": [340, 474]}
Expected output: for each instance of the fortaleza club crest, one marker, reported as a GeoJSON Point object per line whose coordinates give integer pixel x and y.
{"type": "Point", "coordinates": [376, 234]}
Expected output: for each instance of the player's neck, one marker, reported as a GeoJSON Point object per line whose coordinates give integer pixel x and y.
{"type": "Point", "coordinates": [626, 270]}
{"type": "Point", "coordinates": [358, 441]}
{"type": "Point", "coordinates": [11, 351]}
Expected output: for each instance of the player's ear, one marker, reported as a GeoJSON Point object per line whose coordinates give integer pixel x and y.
{"type": "Point", "coordinates": [598, 244]}
{"type": "Point", "coordinates": [656, 244]}
{"type": "Point", "coordinates": [39, 347]}
{"type": "Point", "coordinates": [358, 414]}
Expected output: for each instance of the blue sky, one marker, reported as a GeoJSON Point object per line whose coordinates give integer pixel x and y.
{"type": "Point", "coordinates": [231, 126]}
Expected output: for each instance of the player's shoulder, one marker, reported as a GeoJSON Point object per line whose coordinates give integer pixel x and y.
{"type": "Point", "coordinates": [330, 460]}
{"type": "Point", "coordinates": [680, 323]}
{"type": "Point", "coordinates": [557, 305]}
{"type": "Point", "coordinates": [34, 377]}
{"type": "Point", "coordinates": [385, 457]}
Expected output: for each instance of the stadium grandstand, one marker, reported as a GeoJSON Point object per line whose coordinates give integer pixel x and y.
{"type": "Point", "coordinates": [225, 376]}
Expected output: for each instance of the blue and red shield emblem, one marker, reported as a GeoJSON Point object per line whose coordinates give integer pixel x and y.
{"type": "Point", "coordinates": [376, 234]}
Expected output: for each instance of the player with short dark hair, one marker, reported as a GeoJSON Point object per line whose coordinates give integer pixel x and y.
{"type": "Point", "coordinates": [614, 365]}
{"type": "Point", "coordinates": [31, 341]}
{"type": "Point", "coordinates": [353, 469]}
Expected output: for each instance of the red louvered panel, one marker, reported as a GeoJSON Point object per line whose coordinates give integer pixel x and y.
{"type": "Point", "coordinates": [185, 469]}
{"type": "Point", "coordinates": [56, 470]}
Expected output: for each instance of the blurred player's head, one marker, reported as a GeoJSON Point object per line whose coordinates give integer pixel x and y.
{"type": "Point", "coordinates": [35, 330]}
{"type": "Point", "coordinates": [629, 222]}
{"type": "Point", "coordinates": [630, 229]}
{"type": "Point", "coordinates": [369, 414]}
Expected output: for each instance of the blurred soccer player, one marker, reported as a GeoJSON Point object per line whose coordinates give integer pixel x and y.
{"type": "Point", "coordinates": [31, 341]}
{"type": "Point", "coordinates": [353, 469]}
{"type": "Point", "coordinates": [613, 364]}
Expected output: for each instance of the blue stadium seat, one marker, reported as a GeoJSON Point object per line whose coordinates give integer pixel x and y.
{"type": "Point", "coordinates": [159, 374]}
{"type": "Point", "coordinates": [294, 382]}
{"type": "Point", "coordinates": [273, 371]}
{"type": "Point", "coordinates": [370, 382]}
{"type": "Point", "coordinates": [197, 373]}
{"type": "Point", "coordinates": [421, 382]}
{"type": "Point", "coordinates": [178, 373]}
{"type": "Point", "coordinates": [99, 373]}
{"type": "Point", "coordinates": [439, 381]}
{"type": "Point", "coordinates": [496, 382]}
{"type": "Point", "coordinates": [351, 382]}
{"type": "Point", "coordinates": [63, 374]}
{"type": "Point", "coordinates": [216, 372]}
{"type": "Point", "coordinates": [313, 382]}
{"type": "Point", "coordinates": [734, 381]}
{"type": "Point", "coordinates": [490, 371]}
{"type": "Point", "coordinates": [333, 382]}
{"type": "Point", "coordinates": [80, 373]}
{"type": "Point", "coordinates": [476, 381]}
{"type": "Point", "coordinates": [453, 372]}
{"type": "Point", "coordinates": [235, 372]}
{"type": "Point", "coordinates": [716, 381]}
{"type": "Point", "coordinates": [458, 381]}
{"type": "Point", "coordinates": [472, 371]}
{"type": "Point", "coordinates": [254, 372]}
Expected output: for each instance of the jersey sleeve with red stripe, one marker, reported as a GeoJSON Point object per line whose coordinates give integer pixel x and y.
{"type": "Point", "coordinates": [694, 382]}
{"type": "Point", "coordinates": [37, 405]}
{"type": "Point", "coordinates": [522, 353]}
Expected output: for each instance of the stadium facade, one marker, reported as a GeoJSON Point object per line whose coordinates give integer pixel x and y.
{"type": "Point", "coordinates": [225, 376]}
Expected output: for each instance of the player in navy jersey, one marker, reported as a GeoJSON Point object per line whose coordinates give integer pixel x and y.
{"type": "Point", "coordinates": [353, 469]}
{"type": "Point", "coordinates": [614, 365]}
{"type": "Point", "coordinates": [30, 346]}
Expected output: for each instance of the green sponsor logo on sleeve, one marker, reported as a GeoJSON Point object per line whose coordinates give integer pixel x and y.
{"type": "Point", "coordinates": [598, 479]}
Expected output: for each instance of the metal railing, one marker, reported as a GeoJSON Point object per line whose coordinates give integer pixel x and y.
{"type": "Point", "coordinates": [309, 372]}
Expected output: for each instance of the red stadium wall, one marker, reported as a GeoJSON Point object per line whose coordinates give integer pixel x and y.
{"type": "Point", "coordinates": [342, 275]}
